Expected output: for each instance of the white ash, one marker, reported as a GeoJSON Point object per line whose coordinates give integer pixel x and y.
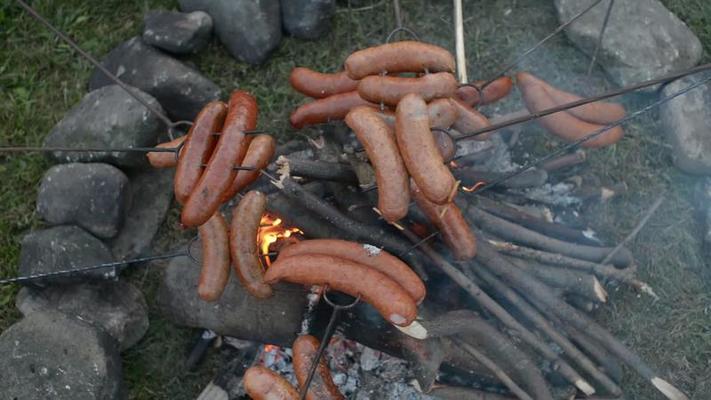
{"type": "Point", "coordinates": [371, 250]}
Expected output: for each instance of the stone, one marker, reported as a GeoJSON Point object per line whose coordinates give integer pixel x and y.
{"type": "Point", "coordinates": [61, 248]}
{"type": "Point", "coordinates": [176, 32]}
{"type": "Point", "coordinates": [118, 308]}
{"type": "Point", "coordinates": [686, 120]}
{"type": "Point", "coordinates": [643, 40]}
{"type": "Point", "coordinates": [55, 356]}
{"type": "Point", "coordinates": [93, 196]}
{"type": "Point", "coordinates": [107, 117]}
{"type": "Point", "coordinates": [702, 197]}
{"type": "Point", "coordinates": [151, 193]}
{"type": "Point", "coordinates": [249, 29]}
{"type": "Point", "coordinates": [180, 89]}
{"type": "Point", "coordinates": [307, 19]}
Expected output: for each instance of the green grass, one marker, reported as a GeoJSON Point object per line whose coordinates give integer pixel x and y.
{"type": "Point", "coordinates": [41, 78]}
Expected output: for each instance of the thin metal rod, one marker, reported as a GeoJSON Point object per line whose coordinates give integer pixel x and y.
{"type": "Point", "coordinates": [567, 106]}
{"type": "Point", "coordinates": [636, 230]}
{"type": "Point", "coordinates": [330, 329]}
{"type": "Point", "coordinates": [459, 42]}
{"type": "Point", "coordinates": [28, 149]}
{"type": "Point", "coordinates": [419, 243]}
{"type": "Point", "coordinates": [598, 45]}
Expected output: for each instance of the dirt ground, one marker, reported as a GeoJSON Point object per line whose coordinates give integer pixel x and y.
{"type": "Point", "coordinates": [41, 78]}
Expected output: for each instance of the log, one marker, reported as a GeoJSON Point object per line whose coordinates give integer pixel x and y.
{"type": "Point", "coordinates": [318, 170]}
{"type": "Point", "coordinates": [564, 161]}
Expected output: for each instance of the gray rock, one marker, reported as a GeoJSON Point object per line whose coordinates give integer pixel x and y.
{"type": "Point", "coordinates": [151, 193]}
{"type": "Point", "coordinates": [702, 196]}
{"type": "Point", "coordinates": [93, 196]}
{"type": "Point", "coordinates": [61, 248]}
{"type": "Point", "coordinates": [687, 122]}
{"type": "Point", "coordinates": [118, 308]}
{"type": "Point", "coordinates": [180, 89]}
{"type": "Point", "coordinates": [643, 40]}
{"type": "Point", "coordinates": [107, 117]}
{"type": "Point", "coordinates": [307, 19]}
{"type": "Point", "coordinates": [176, 32]}
{"type": "Point", "coordinates": [249, 29]}
{"type": "Point", "coordinates": [54, 356]}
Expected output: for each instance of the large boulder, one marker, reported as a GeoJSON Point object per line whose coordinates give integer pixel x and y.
{"type": "Point", "coordinates": [643, 40]}
{"type": "Point", "coordinates": [107, 117]}
{"type": "Point", "coordinates": [176, 32]}
{"type": "Point", "coordinates": [93, 196]}
{"type": "Point", "coordinates": [55, 356]}
{"type": "Point", "coordinates": [180, 89]}
{"type": "Point", "coordinates": [249, 29]}
{"type": "Point", "coordinates": [307, 19]}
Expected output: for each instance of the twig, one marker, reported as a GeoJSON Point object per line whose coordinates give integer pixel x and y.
{"type": "Point", "coordinates": [636, 230]}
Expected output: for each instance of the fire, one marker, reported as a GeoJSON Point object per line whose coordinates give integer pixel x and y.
{"type": "Point", "coordinates": [271, 230]}
{"type": "Point", "coordinates": [473, 187]}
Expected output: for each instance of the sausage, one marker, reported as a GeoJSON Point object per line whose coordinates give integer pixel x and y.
{"type": "Point", "coordinates": [259, 154]}
{"type": "Point", "coordinates": [492, 93]}
{"type": "Point", "coordinates": [322, 387]}
{"type": "Point", "coordinates": [470, 120]}
{"type": "Point", "coordinates": [262, 383]}
{"type": "Point", "coordinates": [243, 243]}
{"type": "Point", "coordinates": [197, 149]}
{"type": "Point", "coordinates": [595, 113]}
{"type": "Point", "coordinates": [448, 219]}
{"type": "Point", "coordinates": [164, 159]}
{"type": "Point", "coordinates": [390, 174]}
{"type": "Point", "coordinates": [329, 109]}
{"type": "Point", "coordinates": [365, 254]}
{"type": "Point", "coordinates": [375, 288]}
{"type": "Point", "coordinates": [319, 85]}
{"type": "Point", "coordinates": [445, 145]}
{"type": "Point", "coordinates": [405, 56]}
{"type": "Point", "coordinates": [219, 174]}
{"type": "Point", "coordinates": [390, 89]}
{"type": "Point", "coordinates": [419, 149]}
{"type": "Point", "coordinates": [215, 271]}
{"type": "Point", "coordinates": [562, 124]}
{"type": "Point", "coordinates": [442, 113]}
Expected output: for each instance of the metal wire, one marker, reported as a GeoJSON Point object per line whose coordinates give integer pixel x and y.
{"type": "Point", "coordinates": [598, 45]}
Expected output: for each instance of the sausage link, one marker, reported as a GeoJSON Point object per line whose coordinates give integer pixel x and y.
{"type": "Point", "coordinates": [419, 149]}
{"type": "Point", "coordinates": [322, 387]}
{"type": "Point", "coordinates": [390, 89]}
{"type": "Point", "coordinates": [215, 271]}
{"type": "Point", "coordinates": [365, 254]}
{"type": "Point", "coordinates": [259, 154]}
{"type": "Point", "coordinates": [331, 108]}
{"type": "Point", "coordinates": [262, 383]}
{"type": "Point", "coordinates": [390, 173]}
{"type": "Point", "coordinates": [375, 288]}
{"type": "Point", "coordinates": [445, 145]}
{"type": "Point", "coordinates": [442, 112]}
{"type": "Point", "coordinates": [243, 243]}
{"type": "Point", "coordinates": [405, 56]}
{"type": "Point", "coordinates": [197, 149]}
{"type": "Point", "coordinates": [470, 120]}
{"type": "Point", "coordinates": [319, 85]}
{"type": "Point", "coordinates": [165, 160]}
{"type": "Point", "coordinates": [492, 93]}
{"type": "Point", "coordinates": [219, 174]}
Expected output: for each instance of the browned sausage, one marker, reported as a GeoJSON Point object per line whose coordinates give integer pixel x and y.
{"type": "Point", "coordinates": [262, 383]}
{"type": "Point", "coordinates": [259, 154]}
{"type": "Point", "coordinates": [405, 56]}
{"type": "Point", "coordinates": [390, 173]}
{"type": "Point", "coordinates": [215, 271]}
{"type": "Point", "coordinates": [220, 173]}
{"type": "Point", "coordinates": [243, 243]}
{"type": "Point", "coordinates": [470, 120]}
{"type": "Point", "coordinates": [419, 149]}
{"type": "Point", "coordinates": [562, 124]}
{"type": "Point", "coordinates": [375, 288]}
{"type": "Point", "coordinates": [331, 108]}
{"type": "Point", "coordinates": [493, 92]}
{"type": "Point", "coordinates": [197, 149]}
{"type": "Point", "coordinates": [165, 160]}
{"type": "Point", "coordinates": [595, 113]}
{"type": "Point", "coordinates": [446, 146]}
{"type": "Point", "coordinates": [319, 85]}
{"type": "Point", "coordinates": [442, 112]}
{"type": "Point", "coordinates": [322, 386]}
{"type": "Point", "coordinates": [363, 254]}
{"type": "Point", "coordinates": [390, 89]}
{"type": "Point", "coordinates": [454, 229]}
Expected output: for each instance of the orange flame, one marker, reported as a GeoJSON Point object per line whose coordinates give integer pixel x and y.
{"type": "Point", "coordinates": [270, 231]}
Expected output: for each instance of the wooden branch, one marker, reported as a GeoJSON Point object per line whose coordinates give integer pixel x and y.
{"type": "Point", "coordinates": [318, 170]}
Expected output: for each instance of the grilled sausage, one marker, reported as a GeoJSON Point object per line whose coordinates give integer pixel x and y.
{"type": "Point", "coordinates": [470, 120]}
{"type": "Point", "coordinates": [262, 383]}
{"type": "Point", "coordinates": [363, 254]}
{"type": "Point", "coordinates": [319, 85]}
{"type": "Point", "coordinates": [331, 108]}
{"type": "Point", "coordinates": [215, 271]}
{"type": "Point", "coordinates": [259, 154]}
{"type": "Point", "coordinates": [390, 89]}
{"type": "Point", "coordinates": [446, 146]}
{"type": "Point", "coordinates": [243, 243]}
{"type": "Point", "coordinates": [419, 149]}
{"type": "Point", "coordinates": [405, 56]}
{"type": "Point", "coordinates": [197, 149]}
{"type": "Point", "coordinates": [322, 386]}
{"type": "Point", "coordinates": [165, 159]}
{"type": "Point", "coordinates": [390, 173]}
{"type": "Point", "coordinates": [375, 288]}
{"type": "Point", "coordinates": [493, 92]}
{"type": "Point", "coordinates": [442, 113]}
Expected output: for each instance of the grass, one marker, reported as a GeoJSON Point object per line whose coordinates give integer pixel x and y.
{"type": "Point", "coordinates": [41, 78]}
